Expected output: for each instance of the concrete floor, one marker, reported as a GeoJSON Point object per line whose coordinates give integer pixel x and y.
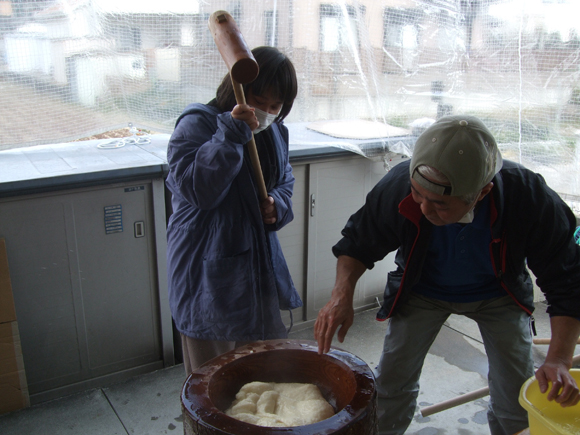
{"type": "Point", "coordinates": [150, 404]}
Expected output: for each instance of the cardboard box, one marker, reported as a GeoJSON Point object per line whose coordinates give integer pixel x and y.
{"type": "Point", "coordinates": [13, 386]}
{"type": "Point", "coordinates": [7, 311]}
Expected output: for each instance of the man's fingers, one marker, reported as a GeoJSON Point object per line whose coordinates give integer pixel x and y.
{"type": "Point", "coordinates": [569, 395]}
{"type": "Point", "coordinates": [332, 316]}
{"type": "Point", "coordinates": [320, 329]}
{"type": "Point", "coordinates": [328, 334]}
{"type": "Point", "coordinates": [316, 327]}
{"type": "Point", "coordinates": [555, 390]}
{"type": "Point", "coordinates": [574, 401]}
{"type": "Point", "coordinates": [343, 330]}
{"type": "Point", "coordinates": [324, 340]}
{"type": "Point", "coordinates": [566, 400]}
{"type": "Point", "coordinates": [559, 385]}
{"type": "Point", "coordinates": [542, 381]}
{"type": "Point", "coordinates": [324, 331]}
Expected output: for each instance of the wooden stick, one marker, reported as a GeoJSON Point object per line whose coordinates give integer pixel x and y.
{"type": "Point", "coordinates": [468, 397]}
{"type": "Point", "coordinates": [546, 341]}
{"type": "Point", "coordinates": [459, 400]}
{"type": "Point", "coordinates": [252, 149]}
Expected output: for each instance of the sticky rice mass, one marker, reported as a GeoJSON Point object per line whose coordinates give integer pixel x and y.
{"type": "Point", "coordinates": [280, 404]}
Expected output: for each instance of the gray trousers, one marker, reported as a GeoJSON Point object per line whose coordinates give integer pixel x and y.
{"type": "Point", "coordinates": [504, 327]}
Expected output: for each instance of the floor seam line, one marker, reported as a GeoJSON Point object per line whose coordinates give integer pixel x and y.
{"type": "Point", "coordinates": [466, 335]}
{"type": "Point", "coordinates": [115, 411]}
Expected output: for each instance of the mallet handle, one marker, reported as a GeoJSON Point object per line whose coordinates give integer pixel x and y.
{"type": "Point", "coordinates": [252, 150]}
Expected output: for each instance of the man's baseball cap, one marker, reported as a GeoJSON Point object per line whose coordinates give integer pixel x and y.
{"type": "Point", "coordinates": [462, 149]}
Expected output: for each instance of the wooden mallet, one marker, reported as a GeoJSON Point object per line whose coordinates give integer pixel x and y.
{"type": "Point", "coordinates": [243, 69]}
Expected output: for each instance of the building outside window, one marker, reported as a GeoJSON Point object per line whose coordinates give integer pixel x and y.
{"type": "Point", "coordinates": [271, 24]}
{"type": "Point", "coordinates": [401, 33]}
{"type": "Point", "coordinates": [338, 31]}
{"type": "Point", "coordinates": [128, 38]}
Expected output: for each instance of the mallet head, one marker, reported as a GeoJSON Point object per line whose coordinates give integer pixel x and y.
{"type": "Point", "coordinates": [238, 57]}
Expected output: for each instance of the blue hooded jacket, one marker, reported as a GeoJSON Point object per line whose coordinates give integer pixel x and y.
{"type": "Point", "coordinates": [228, 279]}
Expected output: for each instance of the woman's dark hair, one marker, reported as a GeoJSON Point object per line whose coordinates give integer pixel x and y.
{"type": "Point", "coordinates": [277, 75]}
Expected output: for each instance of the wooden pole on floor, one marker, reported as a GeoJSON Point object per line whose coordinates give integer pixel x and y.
{"type": "Point", "coordinates": [456, 401]}
{"type": "Point", "coordinates": [468, 397]}
{"type": "Point", "coordinates": [546, 341]}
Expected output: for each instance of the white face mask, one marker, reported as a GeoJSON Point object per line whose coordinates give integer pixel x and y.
{"type": "Point", "coordinates": [264, 118]}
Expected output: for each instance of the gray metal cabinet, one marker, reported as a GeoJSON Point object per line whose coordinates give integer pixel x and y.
{"type": "Point", "coordinates": [88, 276]}
{"type": "Point", "coordinates": [325, 195]}
{"type": "Point", "coordinates": [293, 239]}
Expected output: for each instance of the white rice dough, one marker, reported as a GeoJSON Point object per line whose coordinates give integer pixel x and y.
{"type": "Point", "coordinates": [280, 404]}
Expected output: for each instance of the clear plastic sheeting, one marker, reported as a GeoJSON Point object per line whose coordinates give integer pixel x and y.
{"type": "Point", "coordinates": [75, 68]}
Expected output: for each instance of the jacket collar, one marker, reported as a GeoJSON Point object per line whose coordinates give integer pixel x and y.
{"type": "Point", "coordinates": [279, 144]}
{"type": "Point", "coordinates": [410, 209]}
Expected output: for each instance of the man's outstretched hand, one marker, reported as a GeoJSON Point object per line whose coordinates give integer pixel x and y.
{"type": "Point", "coordinates": [336, 313]}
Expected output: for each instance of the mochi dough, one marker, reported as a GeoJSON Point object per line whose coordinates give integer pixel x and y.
{"type": "Point", "coordinates": [280, 404]}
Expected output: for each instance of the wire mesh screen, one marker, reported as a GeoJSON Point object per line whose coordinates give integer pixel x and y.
{"type": "Point", "coordinates": [75, 68]}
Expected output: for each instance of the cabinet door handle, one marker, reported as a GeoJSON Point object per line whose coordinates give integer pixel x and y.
{"type": "Point", "coordinates": [139, 229]}
{"type": "Point", "coordinates": [312, 205]}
